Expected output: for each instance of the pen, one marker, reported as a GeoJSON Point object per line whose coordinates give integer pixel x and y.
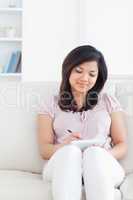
{"type": "Point", "coordinates": [69, 131]}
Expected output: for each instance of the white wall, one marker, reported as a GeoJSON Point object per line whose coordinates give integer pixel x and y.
{"type": "Point", "coordinates": [50, 31]}
{"type": "Point", "coordinates": [108, 25]}
{"type": "Point", "coordinates": [52, 28]}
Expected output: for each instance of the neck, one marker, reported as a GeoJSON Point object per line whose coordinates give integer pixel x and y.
{"type": "Point", "coordinates": [79, 98]}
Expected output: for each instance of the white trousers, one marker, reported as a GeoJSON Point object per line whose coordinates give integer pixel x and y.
{"type": "Point", "coordinates": [100, 170]}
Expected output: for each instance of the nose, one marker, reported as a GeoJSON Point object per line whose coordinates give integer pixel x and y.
{"type": "Point", "coordinates": [84, 77]}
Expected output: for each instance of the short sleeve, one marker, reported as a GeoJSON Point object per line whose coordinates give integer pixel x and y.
{"type": "Point", "coordinates": [47, 107]}
{"type": "Point", "coordinates": [112, 104]}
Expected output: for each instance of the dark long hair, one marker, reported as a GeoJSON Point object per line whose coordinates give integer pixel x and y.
{"type": "Point", "coordinates": [76, 57]}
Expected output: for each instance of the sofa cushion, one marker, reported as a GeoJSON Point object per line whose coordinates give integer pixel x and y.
{"type": "Point", "coordinates": [124, 93]}
{"type": "Point", "coordinates": [127, 161]}
{"type": "Point", "coordinates": [23, 186]}
{"type": "Point", "coordinates": [19, 104]}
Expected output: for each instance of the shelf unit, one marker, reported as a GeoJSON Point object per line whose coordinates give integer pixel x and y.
{"type": "Point", "coordinates": [8, 39]}
{"type": "Point", "coordinates": [11, 74]}
{"type": "Point", "coordinates": [10, 17]}
{"type": "Point", "coordinates": [11, 9]}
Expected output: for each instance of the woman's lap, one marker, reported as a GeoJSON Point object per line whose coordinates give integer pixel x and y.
{"type": "Point", "coordinates": [102, 157]}
{"type": "Point", "coordinates": [114, 168]}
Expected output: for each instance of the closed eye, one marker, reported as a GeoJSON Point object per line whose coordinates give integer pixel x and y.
{"type": "Point", "coordinates": [78, 70]}
{"type": "Point", "coordinates": [93, 75]}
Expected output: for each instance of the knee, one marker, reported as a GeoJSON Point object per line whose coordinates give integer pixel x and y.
{"type": "Point", "coordinates": [92, 159]}
{"type": "Point", "coordinates": [71, 150]}
{"type": "Point", "coordinates": [93, 152]}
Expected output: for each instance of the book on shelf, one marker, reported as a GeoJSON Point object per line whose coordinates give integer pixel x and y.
{"type": "Point", "coordinates": [14, 64]}
{"type": "Point", "coordinates": [18, 69]}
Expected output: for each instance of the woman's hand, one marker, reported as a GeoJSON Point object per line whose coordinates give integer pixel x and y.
{"type": "Point", "coordinates": [71, 137]}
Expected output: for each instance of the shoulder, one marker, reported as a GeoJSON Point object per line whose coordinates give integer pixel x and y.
{"type": "Point", "coordinates": [48, 105]}
{"type": "Point", "coordinates": [110, 102]}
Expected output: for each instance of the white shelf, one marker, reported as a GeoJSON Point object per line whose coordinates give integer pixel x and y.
{"type": "Point", "coordinates": [10, 74]}
{"type": "Point", "coordinates": [10, 39]}
{"type": "Point", "coordinates": [11, 9]}
{"type": "Point", "coordinates": [10, 16]}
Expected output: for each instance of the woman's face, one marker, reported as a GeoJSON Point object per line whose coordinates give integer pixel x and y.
{"type": "Point", "coordinates": [83, 77]}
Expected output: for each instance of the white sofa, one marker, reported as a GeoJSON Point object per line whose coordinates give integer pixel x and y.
{"type": "Point", "coordinates": [20, 162]}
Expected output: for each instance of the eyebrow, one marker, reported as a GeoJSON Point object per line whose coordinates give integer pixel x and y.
{"type": "Point", "coordinates": [89, 71]}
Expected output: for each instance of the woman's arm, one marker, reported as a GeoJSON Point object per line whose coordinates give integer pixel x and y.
{"type": "Point", "coordinates": [46, 137]}
{"type": "Point", "coordinates": [119, 135]}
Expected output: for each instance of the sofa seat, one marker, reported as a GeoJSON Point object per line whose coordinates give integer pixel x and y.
{"type": "Point", "coordinates": [22, 185]}
{"type": "Point", "coordinates": [127, 187]}
{"type": "Point", "coordinates": [20, 162]}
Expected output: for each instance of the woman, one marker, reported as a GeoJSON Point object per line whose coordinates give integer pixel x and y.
{"type": "Point", "coordinates": [82, 111]}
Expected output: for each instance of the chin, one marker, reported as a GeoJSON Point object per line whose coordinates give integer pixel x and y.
{"type": "Point", "coordinates": [82, 90]}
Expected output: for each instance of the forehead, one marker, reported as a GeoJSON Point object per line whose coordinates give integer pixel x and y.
{"type": "Point", "coordinates": [89, 66]}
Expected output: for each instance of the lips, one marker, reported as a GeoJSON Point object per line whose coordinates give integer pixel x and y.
{"type": "Point", "coordinates": [82, 85]}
